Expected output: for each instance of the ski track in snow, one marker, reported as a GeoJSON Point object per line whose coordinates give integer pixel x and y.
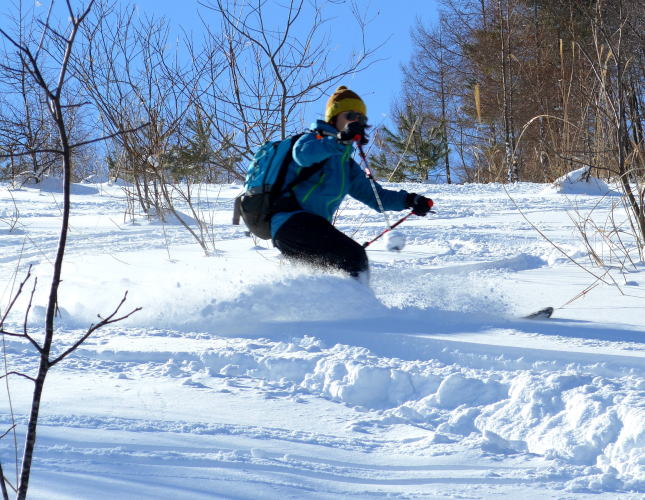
{"type": "Point", "coordinates": [245, 377]}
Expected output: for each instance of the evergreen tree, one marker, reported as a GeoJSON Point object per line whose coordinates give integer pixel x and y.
{"type": "Point", "coordinates": [196, 159]}
{"type": "Point", "coordinates": [192, 159]}
{"type": "Point", "coordinates": [413, 151]}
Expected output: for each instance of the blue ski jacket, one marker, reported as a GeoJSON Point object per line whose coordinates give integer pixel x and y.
{"type": "Point", "coordinates": [340, 175]}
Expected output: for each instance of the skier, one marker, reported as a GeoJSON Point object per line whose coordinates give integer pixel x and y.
{"type": "Point", "coordinates": [307, 234]}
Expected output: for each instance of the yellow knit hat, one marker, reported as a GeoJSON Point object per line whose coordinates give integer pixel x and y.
{"type": "Point", "coordinates": [343, 100]}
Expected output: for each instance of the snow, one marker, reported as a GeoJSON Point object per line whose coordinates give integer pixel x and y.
{"type": "Point", "coordinates": [580, 182]}
{"type": "Point", "coordinates": [245, 376]}
{"type": "Point", "coordinates": [395, 241]}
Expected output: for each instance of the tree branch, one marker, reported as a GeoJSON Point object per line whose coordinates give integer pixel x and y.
{"type": "Point", "coordinates": [8, 431]}
{"type": "Point", "coordinates": [77, 145]}
{"type": "Point", "coordinates": [31, 152]}
{"type": "Point", "coordinates": [25, 333]}
{"type": "Point", "coordinates": [3, 486]}
{"type": "Point", "coordinates": [15, 297]}
{"type": "Point", "coordinates": [111, 136]}
{"type": "Point", "coordinates": [106, 321]}
{"type": "Point", "coordinates": [20, 375]}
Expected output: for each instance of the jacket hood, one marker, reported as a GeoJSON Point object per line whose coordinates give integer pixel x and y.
{"type": "Point", "coordinates": [324, 126]}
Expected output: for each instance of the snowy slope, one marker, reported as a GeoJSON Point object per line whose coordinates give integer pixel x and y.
{"type": "Point", "coordinates": [247, 377]}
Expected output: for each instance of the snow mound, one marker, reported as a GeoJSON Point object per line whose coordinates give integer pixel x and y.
{"type": "Point", "coordinates": [50, 184]}
{"type": "Point", "coordinates": [575, 418]}
{"type": "Point", "coordinates": [97, 178]}
{"type": "Point", "coordinates": [456, 390]}
{"type": "Point", "coordinates": [170, 218]}
{"type": "Point", "coordinates": [118, 182]}
{"type": "Point", "coordinates": [580, 182]}
{"type": "Point", "coordinates": [571, 417]}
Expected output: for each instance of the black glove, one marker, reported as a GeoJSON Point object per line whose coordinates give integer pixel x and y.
{"type": "Point", "coordinates": [420, 205]}
{"type": "Point", "coordinates": [353, 132]}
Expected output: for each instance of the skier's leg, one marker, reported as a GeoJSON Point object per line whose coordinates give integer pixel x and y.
{"type": "Point", "coordinates": [310, 238]}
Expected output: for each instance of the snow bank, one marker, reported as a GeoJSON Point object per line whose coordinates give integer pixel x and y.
{"type": "Point", "coordinates": [626, 455]}
{"type": "Point", "coordinates": [580, 182]}
{"type": "Point", "coordinates": [50, 184]}
{"type": "Point", "coordinates": [578, 419]}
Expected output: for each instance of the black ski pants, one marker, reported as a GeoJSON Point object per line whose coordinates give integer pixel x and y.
{"type": "Point", "coordinates": [312, 239]}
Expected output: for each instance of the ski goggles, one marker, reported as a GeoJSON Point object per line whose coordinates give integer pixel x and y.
{"type": "Point", "coordinates": [355, 116]}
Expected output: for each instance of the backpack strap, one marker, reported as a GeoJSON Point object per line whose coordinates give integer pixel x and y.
{"type": "Point", "coordinates": [282, 203]}
{"type": "Point", "coordinates": [303, 175]}
{"type": "Point", "coordinates": [276, 189]}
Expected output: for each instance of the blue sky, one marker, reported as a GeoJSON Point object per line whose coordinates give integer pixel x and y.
{"type": "Point", "coordinates": [391, 22]}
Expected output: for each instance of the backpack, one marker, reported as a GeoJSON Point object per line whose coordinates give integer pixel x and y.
{"type": "Point", "coordinates": [264, 194]}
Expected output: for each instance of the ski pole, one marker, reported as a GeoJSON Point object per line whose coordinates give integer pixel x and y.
{"type": "Point", "coordinates": [383, 233]}
{"type": "Point", "coordinates": [370, 176]}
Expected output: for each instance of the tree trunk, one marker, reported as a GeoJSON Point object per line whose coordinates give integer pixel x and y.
{"type": "Point", "coordinates": [509, 136]}
{"type": "Point", "coordinates": [30, 440]}
{"type": "Point", "coordinates": [444, 118]}
{"type": "Point", "coordinates": [622, 138]}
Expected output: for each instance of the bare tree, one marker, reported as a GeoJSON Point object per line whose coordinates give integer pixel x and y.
{"type": "Point", "coordinates": [601, 92]}
{"type": "Point", "coordinates": [231, 92]}
{"type": "Point", "coordinates": [131, 76]}
{"type": "Point", "coordinates": [127, 74]}
{"type": "Point", "coordinates": [271, 72]}
{"type": "Point", "coordinates": [512, 165]}
{"type": "Point", "coordinates": [613, 27]}
{"type": "Point", "coordinates": [27, 134]}
{"type": "Point", "coordinates": [54, 48]}
{"type": "Point", "coordinates": [430, 82]}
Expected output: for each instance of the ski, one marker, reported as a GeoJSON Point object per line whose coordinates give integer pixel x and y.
{"type": "Point", "coordinates": [541, 314]}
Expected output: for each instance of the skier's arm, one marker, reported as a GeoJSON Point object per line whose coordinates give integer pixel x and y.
{"type": "Point", "coordinates": [361, 189]}
{"type": "Point", "coordinates": [312, 148]}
